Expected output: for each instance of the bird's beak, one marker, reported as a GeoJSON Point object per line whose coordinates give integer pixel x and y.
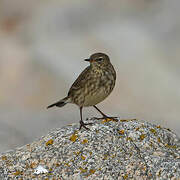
{"type": "Point", "coordinates": [89, 60]}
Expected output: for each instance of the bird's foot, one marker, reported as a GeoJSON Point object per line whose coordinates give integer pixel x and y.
{"type": "Point", "coordinates": [107, 118]}
{"type": "Point", "coordinates": [82, 124]}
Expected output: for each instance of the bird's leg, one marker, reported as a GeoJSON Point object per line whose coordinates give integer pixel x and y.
{"type": "Point", "coordinates": [82, 124]}
{"type": "Point", "coordinates": [105, 116]}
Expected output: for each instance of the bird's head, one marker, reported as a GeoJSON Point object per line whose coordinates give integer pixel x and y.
{"type": "Point", "coordinates": [98, 60]}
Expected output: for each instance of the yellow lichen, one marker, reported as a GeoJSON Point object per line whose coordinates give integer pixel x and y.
{"type": "Point", "coordinates": [142, 136]}
{"type": "Point", "coordinates": [171, 146]}
{"type": "Point", "coordinates": [28, 145]}
{"type": "Point", "coordinates": [67, 164]}
{"type": "Point", "coordinates": [4, 158]}
{"type": "Point", "coordinates": [129, 139]}
{"type": "Point", "coordinates": [83, 157]}
{"type": "Point", "coordinates": [113, 156]}
{"type": "Point", "coordinates": [97, 131]}
{"type": "Point", "coordinates": [57, 164]}
{"type": "Point", "coordinates": [84, 141]}
{"type": "Point", "coordinates": [50, 169]}
{"type": "Point", "coordinates": [159, 140]}
{"type": "Point", "coordinates": [137, 129]}
{"type": "Point", "coordinates": [153, 131]}
{"type": "Point", "coordinates": [159, 173]}
{"type": "Point", "coordinates": [158, 126]}
{"type": "Point", "coordinates": [133, 119]}
{"type": "Point", "coordinates": [125, 176]}
{"type": "Point", "coordinates": [124, 120]}
{"type": "Point", "coordinates": [92, 171]}
{"type": "Point", "coordinates": [77, 153]}
{"type": "Point", "coordinates": [121, 132]}
{"type": "Point", "coordinates": [73, 138]}
{"type": "Point", "coordinates": [49, 142]}
{"type": "Point", "coordinates": [107, 120]}
{"type": "Point", "coordinates": [72, 160]}
{"type": "Point", "coordinates": [82, 170]}
{"type": "Point", "coordinates": [151, 145]}
{"type": "Point", "coordinates": [105, 157]}
{"type": "Point", "coordinates": [33, 165]}
{"type": "Point", "coordinates": [17, 173]}
{"type": "Point", "coordinates": [90, 153]}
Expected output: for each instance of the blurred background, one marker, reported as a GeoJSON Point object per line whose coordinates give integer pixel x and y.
{"type": "Point", "coordinates": [42, 47]}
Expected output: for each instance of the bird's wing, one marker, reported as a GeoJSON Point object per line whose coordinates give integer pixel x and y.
{"type": "Point", "coordinates": [79, 82]}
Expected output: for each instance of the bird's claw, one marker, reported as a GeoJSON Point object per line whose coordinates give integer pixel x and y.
{"type": "Point", "coordinates": [82, 124]}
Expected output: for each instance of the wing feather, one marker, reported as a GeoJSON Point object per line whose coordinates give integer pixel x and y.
{"type": "Point", "coordinates": [80, 81]}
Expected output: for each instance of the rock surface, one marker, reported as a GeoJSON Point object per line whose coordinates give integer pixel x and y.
{"type": "Point", "coordinates": [128, 149]}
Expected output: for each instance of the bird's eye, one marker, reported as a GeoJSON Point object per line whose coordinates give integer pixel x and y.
{"type": "Point", "coordinates": [99, 59]}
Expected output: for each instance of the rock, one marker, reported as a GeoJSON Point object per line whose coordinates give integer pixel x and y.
{"type": "Point", "coordinates": [128, 149]}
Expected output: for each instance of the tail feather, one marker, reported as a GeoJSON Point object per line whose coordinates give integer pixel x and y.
{"type": "Point", "coordinates": [60, 103]}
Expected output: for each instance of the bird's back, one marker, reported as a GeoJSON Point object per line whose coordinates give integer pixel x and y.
{"type": "Point", "coordinates": [76, 92]}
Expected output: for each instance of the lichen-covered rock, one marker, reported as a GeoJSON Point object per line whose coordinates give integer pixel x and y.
{"type": "Point", "coordinates": [128, 149]}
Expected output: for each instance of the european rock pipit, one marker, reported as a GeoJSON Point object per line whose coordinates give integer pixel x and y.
{"type": "Point", "coordinates": [92, 86]}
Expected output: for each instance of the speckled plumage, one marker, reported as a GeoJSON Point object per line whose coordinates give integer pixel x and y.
{"type": "Point", "coordinates": [93, 85]}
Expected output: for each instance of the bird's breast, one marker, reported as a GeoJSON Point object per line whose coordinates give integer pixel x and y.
{"type": "Point", "coordinates": [98, 89]}
{"type": "Point", "coordinates": [92, 99]}
{"type": "Point", "coordinates": [95, 87]}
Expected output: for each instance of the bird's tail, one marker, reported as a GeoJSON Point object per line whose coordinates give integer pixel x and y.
{"type": "Point", "coordinates": [60, 103]}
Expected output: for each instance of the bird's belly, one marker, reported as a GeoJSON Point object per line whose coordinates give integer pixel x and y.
{"type": "Point", "coordinates": [97, 97]}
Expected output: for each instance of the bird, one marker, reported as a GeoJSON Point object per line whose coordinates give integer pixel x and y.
{"type": "Point", "coordinates": [92, 86]}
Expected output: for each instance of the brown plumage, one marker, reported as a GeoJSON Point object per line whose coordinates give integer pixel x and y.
{"type": "Point", "coordinates": [92, 86]}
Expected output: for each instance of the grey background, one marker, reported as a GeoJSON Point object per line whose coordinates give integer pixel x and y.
{"type": "Point", "coordinates": [42, 47]}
